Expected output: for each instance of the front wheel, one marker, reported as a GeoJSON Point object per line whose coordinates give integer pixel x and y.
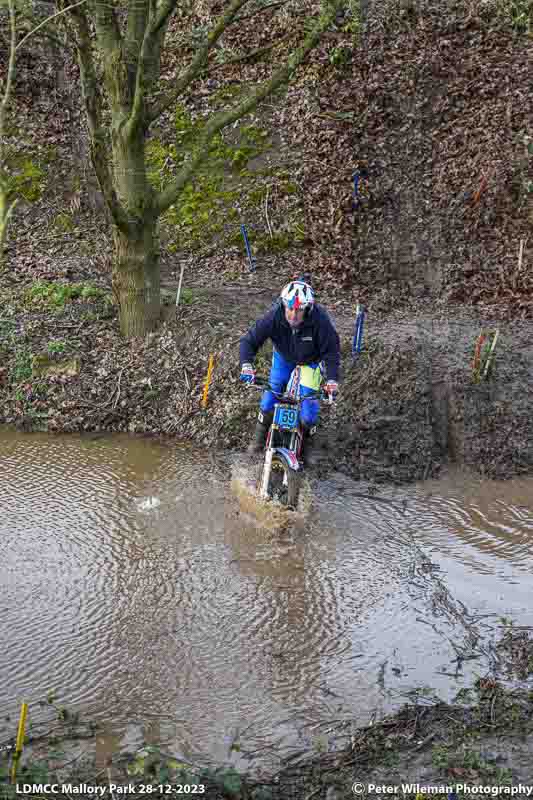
{"type": "Point", "coordinates": [284, 482]}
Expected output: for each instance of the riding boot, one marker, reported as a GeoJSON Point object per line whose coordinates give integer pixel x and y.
{"type": "Point", "coordinates": [312, 446]}
{"type": "Point", "coordinates": [264, 421]}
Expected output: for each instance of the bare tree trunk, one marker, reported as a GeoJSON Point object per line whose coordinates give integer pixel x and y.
{"type": "Point", "coordinates": [136, 280]}
{"type": "Point", "coordinates": [136, 283]}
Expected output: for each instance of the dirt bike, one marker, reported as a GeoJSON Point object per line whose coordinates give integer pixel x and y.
{"type": "Point", "coordinates": [280, 479]}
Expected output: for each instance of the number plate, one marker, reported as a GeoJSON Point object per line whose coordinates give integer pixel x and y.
{"type": "Point", "coordinates": [286, 417]}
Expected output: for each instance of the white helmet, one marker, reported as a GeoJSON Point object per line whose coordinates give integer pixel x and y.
{"type": "Point", "coordinates": [297, 294]}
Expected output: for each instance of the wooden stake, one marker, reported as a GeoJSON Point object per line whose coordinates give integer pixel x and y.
{"type": "Point", "coordinates": [179, 284]}
{"type": "Point", "coordinates": [491, 351]}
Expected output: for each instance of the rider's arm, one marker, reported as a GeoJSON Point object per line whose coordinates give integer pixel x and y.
{"type": "Point", "coordinates": [255, 338]}
{"type": "Point", "coordinates": [330, 347]}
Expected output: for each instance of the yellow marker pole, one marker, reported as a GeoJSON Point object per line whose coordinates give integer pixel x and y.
{"type": "Point", "coordinates": [208, 380]}
{"type": "Point", "coordinates": [20, 741]}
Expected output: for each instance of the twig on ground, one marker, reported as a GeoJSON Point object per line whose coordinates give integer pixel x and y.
{"type": "Point", "coordinates": [117, 390]}
{"type": "Point", "coordinates": [426, 741]}
{"type": "Point", "coordinates": [266, 214]}
{"type": "Point", "coordinates": [518, 270]}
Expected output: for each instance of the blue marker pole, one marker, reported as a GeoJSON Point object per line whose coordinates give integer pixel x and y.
{"type": "Point", "coordinates": [251, 259]}
{"type": "Point", "coordinates": [358, 332]}
{"type": "Point", "coordinates": [356, 201]}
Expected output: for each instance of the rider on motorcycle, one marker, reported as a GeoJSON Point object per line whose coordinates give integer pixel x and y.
{"type": "Point", "coordinates": [302, 333]}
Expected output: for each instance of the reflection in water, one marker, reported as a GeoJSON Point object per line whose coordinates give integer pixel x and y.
{"type": "Point", "coordinates": [132, 585]}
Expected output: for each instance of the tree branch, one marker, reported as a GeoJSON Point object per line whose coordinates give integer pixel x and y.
{"type": "Point", "coordinates": [107, 29]}
{"type": "Point", "coordinates": [221, 120]}
{"type": "Point", "coordinates": [138, 16]}
{"type": "Point", "coordinates": [261, 10]}
{"type": "Point", "coordinates": [10, 76]}
{"type": "Point", "coordinates": [48, 19]}
{"type": "Point", "coordinates": [92, 99]}
{"type": "Point", "coordinates": [110, 48]}
{"type": "Point", "coordinates": [5, 216]}
{"type": "Point", "coordinates": [259, 51]}
{"type": "Point", "coordinates": [6, 207]}
{"type": "Point", "coordinates": [89, 81]}
{"type": "Point", "coordinates": [199, 61]}
{"type": "Point", "coordinates": [150, 43]}
{"type": "Point", "coordinates": [43, 34]}
{"type": "Point", "coordinates": [165, 10]}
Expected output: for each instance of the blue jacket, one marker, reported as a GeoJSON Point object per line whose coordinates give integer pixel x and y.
{"type": "Point", "coordinates": [313, 341]}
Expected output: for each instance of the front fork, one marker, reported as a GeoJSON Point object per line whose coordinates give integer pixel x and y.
{"type": "Point", "coordinates": [267, 469]}
{"type": "Point", "coordinates": [295, 446]}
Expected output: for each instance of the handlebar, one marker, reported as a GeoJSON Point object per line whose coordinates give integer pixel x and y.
{"type": "Point", "coordinates": [259, 383]}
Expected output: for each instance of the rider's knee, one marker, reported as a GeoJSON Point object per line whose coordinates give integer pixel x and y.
{"type": "Point", "coordinates": [309, 416]}
{"type": "Point", "coordinates": [267, 402]}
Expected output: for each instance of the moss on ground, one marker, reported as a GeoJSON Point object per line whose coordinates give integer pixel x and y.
{"type": "Point", "coordinates": [226, 192]}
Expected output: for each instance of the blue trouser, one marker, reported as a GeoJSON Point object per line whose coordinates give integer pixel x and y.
{"type": "Point", "coordinates": [280, 373]}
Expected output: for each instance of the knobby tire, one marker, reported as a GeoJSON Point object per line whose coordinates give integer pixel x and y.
{"type": "Point", "coordinates": [290, 496]}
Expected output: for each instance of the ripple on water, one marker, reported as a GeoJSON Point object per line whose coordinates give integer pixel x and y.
{"type": "Point", "coordinates": [488, 525]}
{"type": "Point", "coordinates": [134, 587]}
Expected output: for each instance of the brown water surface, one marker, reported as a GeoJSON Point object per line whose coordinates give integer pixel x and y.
{"type": "Point", "coordinates": [133, 586]}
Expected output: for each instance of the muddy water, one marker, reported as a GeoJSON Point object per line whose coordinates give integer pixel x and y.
{"type": "Point", "coordinates": [133, 585]}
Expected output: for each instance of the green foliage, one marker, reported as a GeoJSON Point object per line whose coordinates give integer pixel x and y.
{"type": "Point", "coordinates": [448, 758]}
{"type": "Point", "coordinates": [287, 188]}
{"type": "Point", "coordinates": [25, 178]}
{"type": "Point", "coordinates": [262, 793]}
{"type": "Point", "coordinates": [341, 56]}
{"type": "Point", "coordinates": [257, 196]}
{"type": "Point", "coordinates": [353, 18]}
{"type": "Point", "coordinates": [226, 93]}
{"type": "Point", "coordinates": [56, 347]}
{"type": "Point", "coordinates": [64, 222]}
{"type": "Point", "coordinates": [52, 294]}
{"type": "Point", "coordinates": [150, 762]}
{"type": "Point", "coordinates": [7, 328]}
{"type": "Point", "coordinates": [253, 135]}
{"type": "Point", "coordinates": [279, 241]}
{"type": "Point", "coordinates": [516, 13]}
{"type": "Point", "coordinates": [204, 206]}
{"type": "Point", "coordinates": [21, 369]}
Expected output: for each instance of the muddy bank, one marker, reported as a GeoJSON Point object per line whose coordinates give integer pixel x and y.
{"type": "Point", "coordinates": [484, 744]}
{"type": "Point", "coordinates": [408, 404]}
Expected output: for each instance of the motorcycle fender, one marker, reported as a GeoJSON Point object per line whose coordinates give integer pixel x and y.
{"type": "Point", "coordinates": [289, 457]}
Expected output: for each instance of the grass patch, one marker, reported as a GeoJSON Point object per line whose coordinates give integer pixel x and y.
{"type": "Point", "coordinates": [56, 347]}
{"type": "Point", "coordinates": [57, 295]}
{"type": "Point", "coordinates": [517, 14]}
{"type": "Point", "coordinates": [64, 223]}
{"type": "Point", "coordinates": [186, 297]}
{"type": "Point", "coordinates": [21, 369]}
{"type": "Point", "coordinates": [341, 56]}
